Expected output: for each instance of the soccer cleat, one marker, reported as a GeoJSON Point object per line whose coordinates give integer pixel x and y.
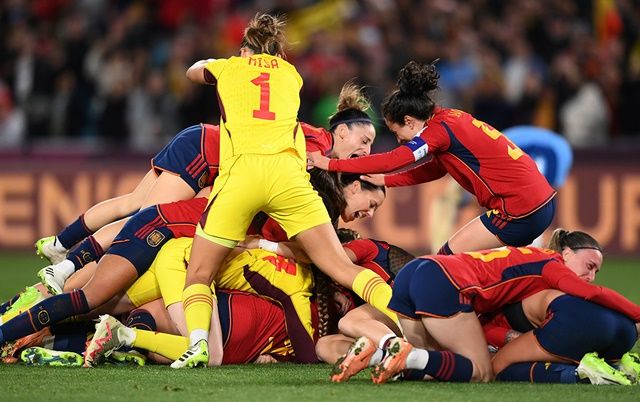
{"type": "Point", "coordinates": [354, 361]}
{"type": "Point", "coordinates": [37, 356]}
{"type": "Point", "coordinates": [27, 299]}
{"type": "Point", "coordinates": [9, 351]}
{"type": "Point", "coordinates": [110, 335]}
{"type": "Point", "coordinates": [196, 356]}
{"type": "Point", "coordinates": [630, 366]}
{"type": "Point", "coordinates": [599, 372]}
{"type": "Point", "coordinates": [47, 248]}
{"type": "Point", "coordinates": [130, 357]}
{"type": "Point", "coordinates": [52, 279]}
{"type": "Point", "coordinates": [394, 362]}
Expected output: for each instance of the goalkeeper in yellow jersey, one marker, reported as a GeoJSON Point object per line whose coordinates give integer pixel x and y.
{"type": "Point", "coordinates": [262, 168]}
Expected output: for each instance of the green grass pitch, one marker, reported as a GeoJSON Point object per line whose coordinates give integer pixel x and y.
{"type": "Point", "coordinates": [286, 382]}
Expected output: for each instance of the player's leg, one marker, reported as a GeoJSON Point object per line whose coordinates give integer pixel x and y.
{"type": "Point", "coordinates": [331, 347]}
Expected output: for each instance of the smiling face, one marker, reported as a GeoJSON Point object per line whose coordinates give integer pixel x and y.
{"type": "Point", "coordinates": [405, 132]}
{"type": "Point", "coordinates": [584, 262]}
{"type": "Point", "coordinates": [361, 203]}
{"type": "Point", "coordinates": [354, 141]}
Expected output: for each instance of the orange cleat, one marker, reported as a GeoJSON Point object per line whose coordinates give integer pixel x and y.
{"type": "Point", "coordinates": [394, 363]}
{"type": "Point", "coordinates": [354, 361]}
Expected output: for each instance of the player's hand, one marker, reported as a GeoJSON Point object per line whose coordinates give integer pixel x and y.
{"type": "Point", "coordinates": [265, 359]}
{"type": "Point", "coordinates": [375, 179]}
{"type": "Point", "coordinates": [250, 241]}
{"type": "Point", "coordinates": [343, 303]}
{"type": "Point", "coordinates": [316, 159]}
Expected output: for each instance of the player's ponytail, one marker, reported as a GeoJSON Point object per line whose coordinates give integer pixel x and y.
{"type": "Point", "coordinates": [265, 34]}
{"type": "Point", "coordinates": [411, 98]}
{"type": "Point", "coordinates": [352, 107]}
{"type": "Point", "coordinates": [324, 300]}
{"type": "Point", "coordinates": [576, 240]}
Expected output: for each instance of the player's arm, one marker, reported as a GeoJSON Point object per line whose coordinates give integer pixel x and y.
{"type": "Point", "coordinates": [498, 332]}
{"type": "Point", "coordinates": [562, 278]}
{"type": "Point", "coordinates": [199, 73]}
{"type": "Point", "coordinates": [286, 249]}
{"type": "Point", "coordinates": [424, 173]}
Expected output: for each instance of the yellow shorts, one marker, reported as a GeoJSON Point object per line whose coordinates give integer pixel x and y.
{"type": "Point", "coordinates": [276, 184]}
{"type": "Point", "coordinates": [165, 277]}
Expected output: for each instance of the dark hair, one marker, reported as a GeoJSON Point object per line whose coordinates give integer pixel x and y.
{"type": "Point", "coordinates": [398, 258]}
{"type": "Point", "coordinates": [327, 320]}
{"type": "Point", "coordinates": [415, 81]}
{"type": "Point", "coordinates": [346, 235]}
{"type": "Point", "coordinates": [330, 187]}
{"type": "Point", "coordinates": [575, 240]}
{"type": "Point", "coordinates": [352, 105]}
{"type": "Point", "coordinates": [265, 34]}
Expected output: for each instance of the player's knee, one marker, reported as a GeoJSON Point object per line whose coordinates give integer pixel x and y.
{"type": "Point", "coordinates": [322, 350]}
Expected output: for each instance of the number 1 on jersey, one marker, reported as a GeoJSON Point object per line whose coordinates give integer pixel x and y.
{"type": "Point", "coordinates": [265, 94]}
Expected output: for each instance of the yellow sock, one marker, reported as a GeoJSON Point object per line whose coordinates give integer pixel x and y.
{"type": "Point", "coordinates": [197, 302]}
{"type": "Point", "coordinates": [374, 290]}
{"type": "Point", "coordinates": [169, 346]}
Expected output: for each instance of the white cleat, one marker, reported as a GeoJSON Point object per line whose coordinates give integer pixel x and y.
{"type": "Point", "coordinates": [51, 249]}
{"type": "Point", "coordinates": [53, 279]}
{"type": "Point", "coordinates": [110, 335]}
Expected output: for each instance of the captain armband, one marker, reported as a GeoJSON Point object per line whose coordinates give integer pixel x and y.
{"type": "Point", "coordinates": [418, 146]}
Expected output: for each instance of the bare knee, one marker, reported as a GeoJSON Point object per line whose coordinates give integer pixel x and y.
{"type": "Point", "coordinates": [323, 351]}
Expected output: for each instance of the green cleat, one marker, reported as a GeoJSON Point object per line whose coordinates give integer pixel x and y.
{"type": "Point", "coordinates": [599, 372]}
{"type": "Point", "coordinates": [110, 335]}
{"type": "Point", "coordinates": [196, 356]}
{"type": "Point", "coordinates": [630, 366]}
{"type": "Point", "coordinates": [37, 356]}
{"type": "Point", "coordinates": [131, 357]}
{"type": "Point", "coordinates": [47, 248]}
{"type": "Point", "coordinates": [27, 299]}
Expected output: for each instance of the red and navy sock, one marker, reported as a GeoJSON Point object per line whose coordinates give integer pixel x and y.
{"type": "Point", "coordinates": [444, 366]}
{"type": "Point", "coordinates": [74, 233]}
{"type": "Point", "coordinates": [7, 305]}
{"type": "Point", "coordinates": [43, 314]}
{"type": "Point", "coordinates": [539, 372]}
{"type": "Point", "coordinates": [87, 251]}
{"type": "Point", "coordinates": [445, 250]}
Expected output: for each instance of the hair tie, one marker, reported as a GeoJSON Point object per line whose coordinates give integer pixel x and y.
{"type": "Point", "coordinates": [347, 121]}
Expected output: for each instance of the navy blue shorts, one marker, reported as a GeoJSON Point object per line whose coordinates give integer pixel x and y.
{"type": "Point", "coordinates": [224, 313]}
{"type": "Point", "coordinates": [576, 327]}
{"type": "Point", "coordinates": [183, 157]}
{"type": "Point", "coordinates": [141, 238]}
{"type": "Point", "coordinates": [523, 231]}
{"type": "Point", "coordinates": [421, 288]}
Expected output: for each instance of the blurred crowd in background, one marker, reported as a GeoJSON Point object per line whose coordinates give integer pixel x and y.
{"type": "Point", "coordinates": [109, 74]}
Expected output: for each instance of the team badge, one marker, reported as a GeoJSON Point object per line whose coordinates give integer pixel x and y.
{"type": "Point", "coordinates": [86, 256]}
{"type": "Point", "coordinates": [154, 238]}
{"type": "Point", "coordinates": [43, 317]}
{"type": "Point", "coordinates": [204, 179]}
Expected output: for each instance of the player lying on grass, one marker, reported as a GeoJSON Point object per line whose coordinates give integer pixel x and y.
{"type": "Point", "coordinates": [190, 163]}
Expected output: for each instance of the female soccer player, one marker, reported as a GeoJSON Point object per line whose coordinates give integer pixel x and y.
{"type": "Point", "coordinates": [439, 297]}
{"type": "Point", "coordinates": [194, 155]}
{"type": "Point", "coordinates": [483, 161]}
{"type": "Point", "coordinates": [138, 243]}
{"type": "Point", "coordinates": [263, 168]}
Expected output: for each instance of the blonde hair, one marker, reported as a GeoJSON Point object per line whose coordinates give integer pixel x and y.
{"type": "Point", "coordinates": [265, 34]}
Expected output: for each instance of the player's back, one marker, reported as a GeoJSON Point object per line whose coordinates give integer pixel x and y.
{"type": "Point", "coordinates": [488, 165]}
{"type": "Point", "coordinates": [259, 100]}
{"type": "Point", "coordinates": [490, 279]}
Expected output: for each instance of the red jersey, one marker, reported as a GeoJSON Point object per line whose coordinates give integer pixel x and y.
{"type": "Point", "coordinates": [481, 159]}
{"type": "Point", "coordinates": [317, 139]}
{"type": "Point", "coordinates": [491, 279]}
{"type": "Point", "coordinates": [256, 326]}
{"type": "Point", "coordinates": [374, 255]}
{"type": "Point", "coordinates": [181, 217]}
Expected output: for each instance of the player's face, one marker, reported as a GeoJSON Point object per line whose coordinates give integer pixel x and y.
{"type": "Point", "coordinates": [361, 203]}
{"type": "Point", "coordinates": [584, 262]}
{"type": "Point", "coordinates": [353, 142]}
{"type": "Point", "coordinates": [406, 131]}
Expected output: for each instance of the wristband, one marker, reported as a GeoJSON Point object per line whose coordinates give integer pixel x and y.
{"type": "Point", "coordinates": [268, 245]}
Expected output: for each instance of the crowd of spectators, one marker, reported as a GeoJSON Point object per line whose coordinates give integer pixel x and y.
{"type": "Point", "coordinates": [101, 73]}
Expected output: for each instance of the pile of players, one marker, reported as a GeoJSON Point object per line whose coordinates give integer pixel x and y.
{"type": "Point", "coordinates": [227, 251]}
